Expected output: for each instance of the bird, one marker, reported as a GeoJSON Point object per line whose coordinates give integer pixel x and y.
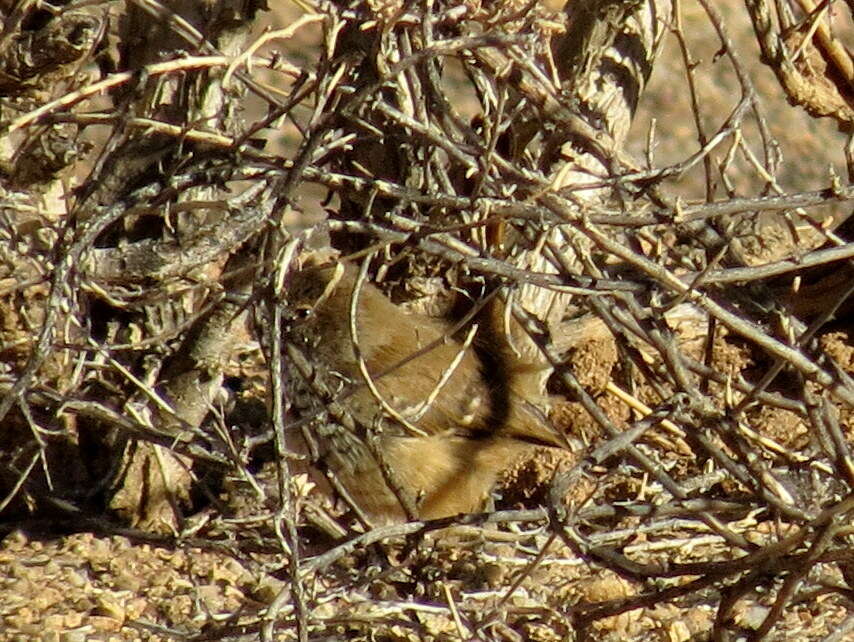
{"type": "Point", "coordinates": [409, 421]}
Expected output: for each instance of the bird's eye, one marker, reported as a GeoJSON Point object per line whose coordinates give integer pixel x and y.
{"type": "Point", "coordinates": [302, 312]}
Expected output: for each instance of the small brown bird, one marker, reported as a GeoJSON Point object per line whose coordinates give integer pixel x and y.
{"type": "Point", "coordinates": [402, 415]}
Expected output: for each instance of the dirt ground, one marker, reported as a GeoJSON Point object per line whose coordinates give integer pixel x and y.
{"type": "Point", "coordinates": [512, 581]}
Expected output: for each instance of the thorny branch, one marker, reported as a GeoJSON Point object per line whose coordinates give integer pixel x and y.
{"type": "Point", "coordinates": [475, 148]}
